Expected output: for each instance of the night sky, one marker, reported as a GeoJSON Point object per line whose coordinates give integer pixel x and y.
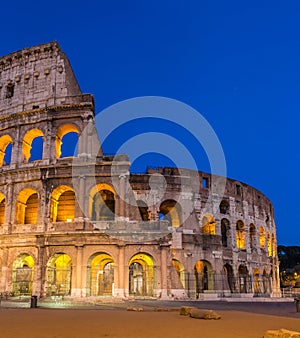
{"type": "Point", "coordinates": [235, 62]}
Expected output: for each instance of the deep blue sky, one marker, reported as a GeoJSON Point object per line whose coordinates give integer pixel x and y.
{"type": "Point", "coordinates": [236, 62]}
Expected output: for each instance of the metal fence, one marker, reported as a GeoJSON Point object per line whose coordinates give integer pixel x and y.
{"type": "Point", "coordinates": [290, 292]}
{"type": "Point", "coordinates": [224, 286]}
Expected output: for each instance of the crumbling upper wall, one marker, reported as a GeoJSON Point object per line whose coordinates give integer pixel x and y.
{"type": "Point", "coordinates": [36, 77]}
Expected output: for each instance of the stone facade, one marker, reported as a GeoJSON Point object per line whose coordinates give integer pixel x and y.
{"type": "Point", "coordinates": [88, 233]}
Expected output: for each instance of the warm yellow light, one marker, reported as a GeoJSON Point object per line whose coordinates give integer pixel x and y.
{"type": "Point", "coordinates": [5, 140]}
{"type": "Point", "coordinates": [240, 235]}
{"type": "Point", "coordinates": [61, 132]}
{"type": "Point", "coordinates": [262, 237]}
{"type": "Point", "coordinates": [208, 225]}
{"type": "Point", "coordinates": [69, 220]}
{"type": "Point", "coordinates": [27, 142]}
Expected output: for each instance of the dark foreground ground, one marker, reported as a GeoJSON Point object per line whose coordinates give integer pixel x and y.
{"type": "Point", "coordinates": [280, 308]}
{"type": "Point", "coordinates": [284, 309]}
{"type": "Point", "coordinates": [107, 318]}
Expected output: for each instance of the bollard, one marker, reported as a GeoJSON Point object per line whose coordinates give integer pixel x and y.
{"type": "Point", "coordinates": [297, 301]}
{"type": "Point", "coordinates": [33, 302]}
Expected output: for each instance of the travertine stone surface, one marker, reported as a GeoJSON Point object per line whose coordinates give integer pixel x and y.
{"type": "Point", "coordinates": [65, 231]}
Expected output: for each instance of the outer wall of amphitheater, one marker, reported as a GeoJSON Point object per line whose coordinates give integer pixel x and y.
{"type": "Point", "coordinates": [63, 234]}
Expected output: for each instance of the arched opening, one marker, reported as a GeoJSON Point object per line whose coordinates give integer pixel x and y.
{"type": "Point", "coordinates": [208, 225]}
{"type": "Point", "coordinates": [31, 209]}
{"type": "Point", "coordinates": [59, 275]}
{"type": "Point", "coordinates": [101, 275]}
{"type": "Point", "coordinates": [102, 203]}
{"type": "Point", "coordinates": [170, 211]}
{"type": "Point", "coordinates": [144, 211]}
{"type": "Point", "coordinates": [204, 277]}
{"type": "Point", "coordinates": [8, 154]}
{"type": "Point", "coordinates": [273, 246]}
{"type": "Point", "coordinates": [180, 270]}
{"type": "Point", "coordinates": [141, 275]}
{"type": "Point", "coordinates": [62, 208]}
{"type": "Point", "coordinates": [229, 278]}
{"type": "Point", "coordinates": [262, 237]}
{"type": "Point", "coordinates": [32, 145]}
{"type": "Point", "coordinates": [252, 232]}
{"type": "Point", "coordinates": [22, 275]}
{"type": "Point", "coordinates": [2, 208]}
{"type": "Point", "coordinates": [66, 145]}
{"type": "Point", "coordinates": [266, 282]}
{"type": "Point", "coordinates": [244, 283]}
{"type": "Point", "coordinates": [224, 207]}
{"type": "Point", "coordinates": [5, 149]}
{"type": "Point", "coordinates": [256, 283]}
{"type": "Point", "coordinates": [240, 235]}
{"type": "Point", "coordinates": [225, 227]}
{"type": "Point", "coordinates": [36, 152]}
{"type": "Point", "coordinates": [269, 245]}
{"type": "Point", "coordinates": [27, 207]}
{"type": "Point", "coordinates": [69, 145]}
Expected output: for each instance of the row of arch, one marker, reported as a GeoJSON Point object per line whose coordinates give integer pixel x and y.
{"type": "Point", "coordinates": [100, 275]}
{"type": "Point", "coordinates": [101, 206]}
{"type": "Point", "coordinates": [208, 227]}
{"type": "Point", "coordinates": [33, 144]}
{"type": "Point", "coordinates": [141, 276]}
{"type": "Point", "coordinates": [204, 278]}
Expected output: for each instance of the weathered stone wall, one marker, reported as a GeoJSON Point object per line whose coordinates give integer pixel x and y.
{"type": "Point", "coordinates": [35, 77]}
{"type": "Point", "coordinates": [180, 256]}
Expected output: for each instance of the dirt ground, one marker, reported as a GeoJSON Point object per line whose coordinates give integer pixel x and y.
{"type": "Point", "coordinates": [84, 323]}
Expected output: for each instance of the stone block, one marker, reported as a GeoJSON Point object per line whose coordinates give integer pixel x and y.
{"type": "Point", "coordinates": [135, 309]}
{"type": "Point", "coordinates": [281, 334]}
{"type": "Point", "coordinates": [186, 310]}
{"type": "Point", "coordinates": [161, 309]}
{"type": "Point", "coordinates": [204, 314]}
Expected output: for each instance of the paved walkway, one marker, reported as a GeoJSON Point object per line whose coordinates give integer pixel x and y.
{"type": "Point", "coordinates": [269, 307]}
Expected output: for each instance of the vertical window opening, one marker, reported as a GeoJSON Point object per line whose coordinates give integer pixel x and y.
{"type": "Point", "coordinates": [10, 88]}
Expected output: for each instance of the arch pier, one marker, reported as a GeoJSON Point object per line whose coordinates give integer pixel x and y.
{"type": "Point", "coordinates": [75, 222]}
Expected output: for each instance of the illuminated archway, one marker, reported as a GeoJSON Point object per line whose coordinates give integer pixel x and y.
{"type": "Point", "coordinates": [61, 132]}
{"type": "Point", "coordinates": [244, 283]}
{"type": "Point", "coordinates": [27, 207]}
{"type": "Point", "coordinates": [208, 225]}
{"type": "Point", "coordinates": [180, 270]}
{"type": "Point", "coordinates": [101, 275]}
{"type": "Point", "coordinates": [270, 249]}
{"type": "Point", "coordinates": [256, 282]}
{"type": "Point", "coordinates": [102, 203]}
{"type": "Point", "coordinates": [27, 143]}
{"type": "Point", "coordinates": [59, 275]}
{"type": "Point", "coordinates": [62, 208]}
{"type": "Point", "coordinates": [22, 275]}
{"type": "Point", "coordinates": [240, 235]}
{"type": "Point", "coordinates": [5, 141]}
{"type": "Point", "coordinates": [262, 237]}
{"type": "Point", "coordinates": [141, 275]}
{"type": "Point", "coordinates": [2, 208]}
{"type": "Point", "coordinates": [170, 210]}
{"type": "Point", "coordinates": [204, 277]}
{"type": "Point", "coordinates": [274, 246]}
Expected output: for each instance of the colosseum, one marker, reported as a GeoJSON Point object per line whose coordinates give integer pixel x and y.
{"type": "Point", "coordinates": [75, 235]}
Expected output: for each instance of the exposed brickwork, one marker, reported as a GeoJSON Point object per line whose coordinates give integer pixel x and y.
{"type": "Point", "coordinates": [228, 250]}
